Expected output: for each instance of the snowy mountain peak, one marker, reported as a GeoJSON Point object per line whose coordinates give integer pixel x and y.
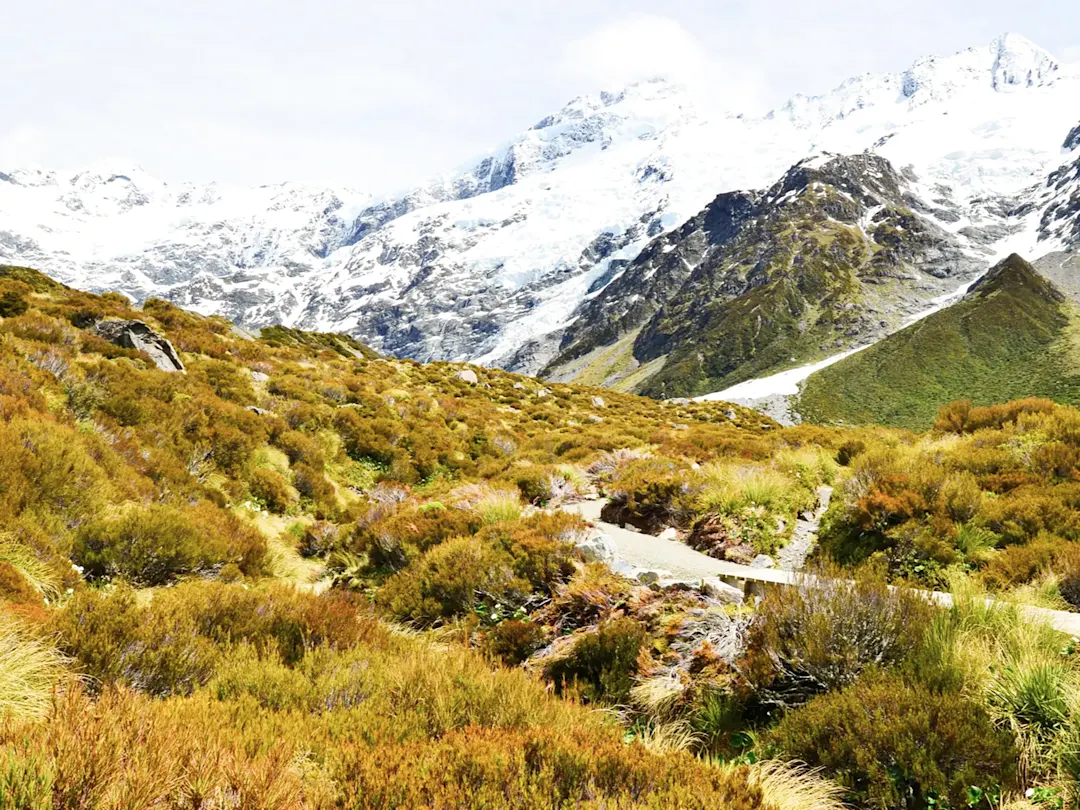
{"type": "Point", "coordinates": [1019, 62]}
{"type": "Point", "coordinates": [108, 171]}
{"type": "Point", "coordinates": [28, 177]}
{"type": "Point", "coordinates": [1009, 62]}
{"type": "Point", "coordinates": [490, 261]}
{"type": "Point", "coordinates": [581, 107]}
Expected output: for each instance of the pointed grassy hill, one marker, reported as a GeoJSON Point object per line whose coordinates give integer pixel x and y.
{"type": "Point", "coordinates": [1013, 335]}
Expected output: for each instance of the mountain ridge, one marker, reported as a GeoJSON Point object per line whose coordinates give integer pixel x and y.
{"type": "Point", "coordinates": [491, 262]}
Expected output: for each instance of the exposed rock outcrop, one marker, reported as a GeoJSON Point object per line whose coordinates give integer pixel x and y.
{"type": "Point", "coordinates": [138, 335]}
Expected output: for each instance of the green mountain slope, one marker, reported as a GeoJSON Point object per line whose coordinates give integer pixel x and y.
{"type": "Point", "coordinates": [828, 261]}
{"type": "Point", "coordinates": [1012, 336]}
{"type": "Point", "coordinates": [837, 252]}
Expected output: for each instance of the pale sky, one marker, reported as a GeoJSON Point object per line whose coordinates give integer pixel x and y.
{"type": "Point", "coordinates": [379, 96]}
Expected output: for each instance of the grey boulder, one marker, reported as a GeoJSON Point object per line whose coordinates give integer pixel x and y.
{"type": "Point", "coordinates": [138, 335]}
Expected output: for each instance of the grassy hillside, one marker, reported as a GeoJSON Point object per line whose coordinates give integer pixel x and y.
{"type": "Point", "coordinates": [299, 575]}
{"type": "Point", "coordinates": [1013, 336]}
{"type": "Point", "coordinates": [219, 556]}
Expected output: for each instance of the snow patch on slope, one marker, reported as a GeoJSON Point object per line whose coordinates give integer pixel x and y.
{"type": "Point", "coordinates": [786, 383]}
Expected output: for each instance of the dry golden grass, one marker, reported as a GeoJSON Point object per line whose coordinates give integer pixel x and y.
{"type": "Point", "coordinates": [36, 572]}
{"type": "Point", "coordinates": [30, 670]}
{"type": "Point", "coordinates": [666, 738]}
{"type": "Point", "coordinates": [794, 786]}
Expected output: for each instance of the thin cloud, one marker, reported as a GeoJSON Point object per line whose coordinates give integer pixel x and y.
{"type": "Point", "coordinates": [648, 46]}
{"type": "Point", "coordinates": [21, 147]}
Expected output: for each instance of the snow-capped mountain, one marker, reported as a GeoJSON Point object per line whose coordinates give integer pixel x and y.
{"type": "Point", "coordinates": [491, 262]}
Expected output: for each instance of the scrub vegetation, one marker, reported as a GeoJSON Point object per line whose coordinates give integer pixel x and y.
{"type": "Point", "coordinates": [300, 575]}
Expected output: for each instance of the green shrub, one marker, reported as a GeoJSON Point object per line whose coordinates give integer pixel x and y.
{"type": "Point", "coordinates": [311, 483]}
{"type": "Point", "coordinates": [601, 663]}
{"type": "Point", "coordinates": [123, 409]}
{"type": "Point", "coordinates": [174, 643]}
{"type": "Point", "coordinates": [591, 595]}
{"type": "Point", "coordinates": [155, 650]}
{"type": "Point", "coordinates": [395, 536]}
{"type": "Point", "coordinates": [12, 304]}
{"type": "Point", "coordinates": [1069, 588]}
{"type": "Point", "coordinates": [896, 745]}
{"type": "Point", "coordinates": [535, 484]}
{"type": "Point", "coordinates": [151, 545]}
{"type": "Point", "coordinates": [82, 397]}
{"type": "Point", "coordinates": [26, 779]}
{"type": "Point", "coordinates": [300, 447]}
{"type": "Point", "coordinates": [513, 641]}
{"type": "Point", "coordinates": [539, 547]}
{"type": "Point", "coordinates": [270, 489]}
{"type": "Point", "coordinates": [651, 494]}
{"type": "Point", "coordinates": [450, 580]}
{"type": "Point", "coordinates": [848, 451]}
{"type": "Point", "coordinates": [320, 538]}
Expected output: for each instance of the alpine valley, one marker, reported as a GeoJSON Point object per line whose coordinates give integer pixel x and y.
{"type": "Point", "coordinates": [784, 513]}
{"type": "Point", "coordinates": [631, 239]}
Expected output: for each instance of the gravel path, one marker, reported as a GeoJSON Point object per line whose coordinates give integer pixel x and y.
{"type": "Point", "coordinates": [651, 553]}
{"type": "Point", "coordinates": [792, 557]}
{"type": "Point", "coordinates": [644, 551]}
{"type": "Point", "coordinates": [658, 553]}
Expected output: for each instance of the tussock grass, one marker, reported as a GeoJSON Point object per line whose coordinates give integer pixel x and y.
{"type": "Point", "coordinates": [491, 504]}
{"type": "Point", "coordinates": [727, 488]}
{"type": "Point", "coordinates": [38, 573]}
{"type": "Point", "coordinates": [1043, 592]}
{"type": "Point", "coordinates": [659, 696]}
{"type": "Point", "coordinates": [1015, 666]}
{"type": "Point", "coordinates": [975, 542]}
{"type": "Point", "coordinates": [283, 560]}
{"type": "Point", "coordinates": [812, 466]}
{"type": "Point", "coordinates": [666, 738]}
{"type": "Point", "coordinates": [794, 786]}
{"type": "Point", "coordinates": [30, 669]}
{"type": "Point", "coordinates": [270, 458]}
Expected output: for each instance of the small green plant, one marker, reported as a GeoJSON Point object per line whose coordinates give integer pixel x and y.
{"type": "Point", "coordinates": [601, 663]}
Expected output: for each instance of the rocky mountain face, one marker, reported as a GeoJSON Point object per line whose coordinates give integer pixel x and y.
{"type": "Point", "coordinates": [536, 249]}
{"type": "Point", "coordinates": [618, 310]}
{"type": "Point", "coordinates": [1060, 198]}
{"type": "Point", "coordinates": [836, 254]}
{"type": "Point", "coordinates": [839, 250]}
